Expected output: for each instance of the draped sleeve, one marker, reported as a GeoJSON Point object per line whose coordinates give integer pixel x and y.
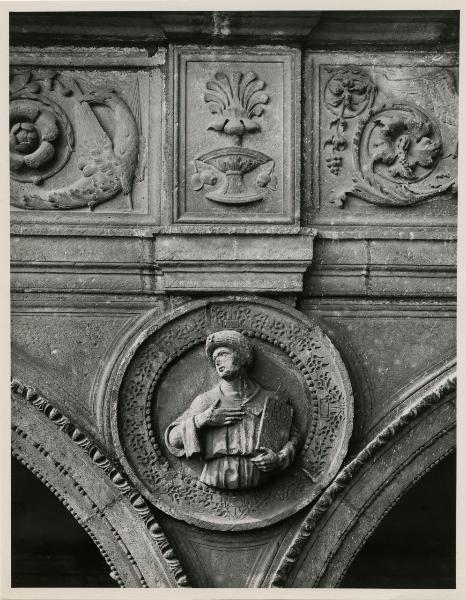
{"type": "Point", "coordinates": [183, 433]}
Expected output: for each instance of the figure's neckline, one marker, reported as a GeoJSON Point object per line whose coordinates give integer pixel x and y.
{"type": "Point", "coordinates": [245, 400]}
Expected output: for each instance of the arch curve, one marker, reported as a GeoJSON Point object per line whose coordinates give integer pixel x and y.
{"type": "Point", "coordinates": [367, 488]}
{"type": "Point", "coordinates": [95, 491]}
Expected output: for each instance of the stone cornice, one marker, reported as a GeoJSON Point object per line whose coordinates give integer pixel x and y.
{"type": "Point", "coordinates": [434, 396]}
{"type": "Point", "coordinates": [308, 28]}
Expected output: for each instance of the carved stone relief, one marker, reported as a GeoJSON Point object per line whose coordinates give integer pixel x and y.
{"type": "Point", "coordinates": [236, 99]}
{"type": "Point", "coordinates": [50, 119]}
{"type": "Point", "coordinates": [347, 94]}
{"type": "Point", "coordinates": [391, 133]}
{"type": "Point", "coordinates": [251, 96]}
{"type": "Point", "coordinates": [243, 432]}
{"type": "Point", "coordinates": [289, 414]}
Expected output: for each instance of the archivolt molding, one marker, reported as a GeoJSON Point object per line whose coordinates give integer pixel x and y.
{"type": "Point", "coordinates": [20, 454]}
{"type": "Point", "coordinates": [173, 575]}
{"type": "Point", "coordinates": [432, 397]}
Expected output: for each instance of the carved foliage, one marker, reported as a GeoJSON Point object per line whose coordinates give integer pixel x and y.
{"type": "Point", "coordinates": [328, 407]}
{"type": "Point", "coordinates": [235, 100]}
{"type": "Point", "coordinates": [396, 150]}
{"type": "Point", "coordinates": [398, 147]}
{"type": "Point", "coordinates": [348, 92]}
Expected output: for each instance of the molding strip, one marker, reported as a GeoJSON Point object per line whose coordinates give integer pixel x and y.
{"type": "Point", "coordinates": [112, 469]}
{"type": "Point", "coordinates": [443, 387]}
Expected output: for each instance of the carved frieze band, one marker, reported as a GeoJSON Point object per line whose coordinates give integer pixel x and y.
{"type": "Point", "coordinates": [51, 119]}
{"type": "Point", "coordinates": [112, 469]}
{"type": "Point", "coordinates": [391, 138]}
{"type": "Point", "coordinates": [434, 396]}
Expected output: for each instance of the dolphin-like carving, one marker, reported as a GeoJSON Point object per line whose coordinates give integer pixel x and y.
{"type": "Point", "coordinates": [107, 166]}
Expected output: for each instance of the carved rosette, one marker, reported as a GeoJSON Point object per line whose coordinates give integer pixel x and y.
{"type": "Point", "coordinates": [41, 136]}
{"type": "Point", "coordinates": [43, 106]}
{"type": "Point", "coordinates": [347, 94]}
{"type": "Point", "coordinates": [235, 100]}
{"type": "Point", "coordinates": [165, 367]}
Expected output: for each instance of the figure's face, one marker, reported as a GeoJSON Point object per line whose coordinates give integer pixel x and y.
{"type": "Point", "coordinates": [227, 363]}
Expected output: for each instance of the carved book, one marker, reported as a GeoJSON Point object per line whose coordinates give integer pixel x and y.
{"type": "Point", "coordinates": [275, 425]}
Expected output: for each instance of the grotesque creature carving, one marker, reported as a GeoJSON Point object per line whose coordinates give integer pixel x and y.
{"type": "Point", "coordinates": [38, 130]}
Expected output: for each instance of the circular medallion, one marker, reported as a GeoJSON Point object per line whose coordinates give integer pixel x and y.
{"type": "Point", "coordinates": [41, 138]}
{"type": "Point", "coordinates": [400, 144]}
{"type": "Point", "coordinates": [231, 413]}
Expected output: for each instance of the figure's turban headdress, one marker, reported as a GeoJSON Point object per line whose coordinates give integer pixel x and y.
{"type": "Point", "coordinates": [230, 339]}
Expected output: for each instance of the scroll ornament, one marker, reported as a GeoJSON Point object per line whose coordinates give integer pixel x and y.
{"type": "Point", "coordinates": [42, 141]}
{"type": "Point", "coordinates": [398, 154]}
{"type": "Point", "coordinates": [396, 151]}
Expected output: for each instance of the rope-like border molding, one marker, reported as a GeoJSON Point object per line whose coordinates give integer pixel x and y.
{"type": "Point", "coordinates": [283, 570]}
{"type": "Point", "coordinates": [113, 470]}
{"type": "Point", "coordinates": [389, 508]}
{"type": "Point", "coordinates": [38, 473]}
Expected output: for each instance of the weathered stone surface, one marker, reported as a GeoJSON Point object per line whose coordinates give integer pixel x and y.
{"type": "Point", "coordinates": [388, 137]}
{"type": "Point", "coordinates": [227, 180]}
{"type": "Point", "coordinates": [98, 156]}
{"type": "Point", "coordinates": [236, 135]}
{"type": "Point", "coordinates": [155, 383]}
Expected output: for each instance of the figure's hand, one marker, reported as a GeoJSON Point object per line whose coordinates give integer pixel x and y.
{"type": "Point", "coordinates": [217, 417]}
{"type": "Point", "coordinates": [268, 460]}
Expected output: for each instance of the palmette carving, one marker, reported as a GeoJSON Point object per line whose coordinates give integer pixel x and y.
{"type": "Point", "coordinates": [235, 99]}
{"type": "Point", "coordinates": [41, 141]}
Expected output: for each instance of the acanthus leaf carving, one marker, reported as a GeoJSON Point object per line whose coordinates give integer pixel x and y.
{"type": "Point", "coordinates": [398, 158]}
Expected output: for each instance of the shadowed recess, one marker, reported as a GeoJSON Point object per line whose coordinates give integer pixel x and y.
{"type": "Point", "coordinates": [49, 547]}
{"type": "Point", "coordinates": [414, 546]}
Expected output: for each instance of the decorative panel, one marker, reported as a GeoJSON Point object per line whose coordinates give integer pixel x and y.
{"type": "Point", "coordinates": [386, 147]}
{"type": "Point", "coordinates": [236, 135]}
{"type": "Point", "coordinates": [85, 140]}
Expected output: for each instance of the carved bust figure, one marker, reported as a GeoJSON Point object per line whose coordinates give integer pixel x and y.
{"type": "Point", "coordinates": [242, 431]}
